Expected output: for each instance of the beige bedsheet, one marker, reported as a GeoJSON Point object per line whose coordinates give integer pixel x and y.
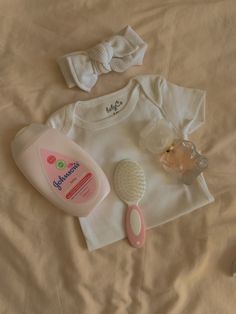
{"type": "Point", "coordinates": [185, 267]}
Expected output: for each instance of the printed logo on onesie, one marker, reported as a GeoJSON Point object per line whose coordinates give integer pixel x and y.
{"type": "Point", "coordinates": [115, 107]}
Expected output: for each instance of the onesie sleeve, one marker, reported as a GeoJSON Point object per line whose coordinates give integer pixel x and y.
{"type": "Point", "coordinates": [58, 120]}
{"type": "Point", "coordinates": [184, 107]}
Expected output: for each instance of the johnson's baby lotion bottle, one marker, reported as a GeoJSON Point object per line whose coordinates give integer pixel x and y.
{"type": "Point", "coordinates": [59, 169]}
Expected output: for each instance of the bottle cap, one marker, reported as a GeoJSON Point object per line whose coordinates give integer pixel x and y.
{"type": "Point", "coordinates": [25, 137]}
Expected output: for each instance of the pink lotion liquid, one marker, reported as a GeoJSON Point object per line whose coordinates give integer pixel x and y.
{"type": "Point", "coordinates": [59, 169]}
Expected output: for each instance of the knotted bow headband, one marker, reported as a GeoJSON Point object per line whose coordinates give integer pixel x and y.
{"type": "Point", "coordinates": [117, 53]}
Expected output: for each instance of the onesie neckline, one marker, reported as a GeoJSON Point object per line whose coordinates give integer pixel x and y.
{"type": "Point", "coordinates": [131, 90]}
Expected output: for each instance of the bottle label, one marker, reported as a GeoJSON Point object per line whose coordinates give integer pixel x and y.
{"type": "Point", "coordinates": [69, 178]}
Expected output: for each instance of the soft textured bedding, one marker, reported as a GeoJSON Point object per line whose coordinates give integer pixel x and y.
{"type": "Point", "coordinates": [185, 266]}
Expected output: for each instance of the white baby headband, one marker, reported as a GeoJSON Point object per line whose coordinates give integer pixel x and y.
{"type": "Point", "coordinates": [117, 53]}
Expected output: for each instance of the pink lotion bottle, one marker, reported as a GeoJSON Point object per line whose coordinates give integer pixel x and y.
{"type": "Point", "coordinates": [59, 169]}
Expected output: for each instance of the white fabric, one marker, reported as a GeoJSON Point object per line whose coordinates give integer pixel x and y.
{"type": "Point", "coordinates": [110, 129]}
{"type": "Point", "coordinates": [117, 53]}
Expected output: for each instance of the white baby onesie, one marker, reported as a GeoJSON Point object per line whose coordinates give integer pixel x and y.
{"type": "Point", "coordinates": [110, 127]}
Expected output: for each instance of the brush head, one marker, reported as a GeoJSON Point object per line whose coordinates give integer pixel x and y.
{"type": "Point", "coordinates": [129, 181]}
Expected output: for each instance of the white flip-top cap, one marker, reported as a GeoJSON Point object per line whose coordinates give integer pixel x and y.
{"type": "Point", "coordinates": [25, 137]}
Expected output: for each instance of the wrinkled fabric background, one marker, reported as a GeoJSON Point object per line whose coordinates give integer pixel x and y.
{"type": "Point", "coordinates": [185, 267]}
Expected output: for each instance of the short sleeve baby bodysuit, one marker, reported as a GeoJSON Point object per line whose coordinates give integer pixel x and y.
{"type": "Point", "coordinates": [109, 128]}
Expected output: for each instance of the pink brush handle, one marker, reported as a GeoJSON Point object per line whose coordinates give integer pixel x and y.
{"type": "Point", "coordinates": [135, 227]}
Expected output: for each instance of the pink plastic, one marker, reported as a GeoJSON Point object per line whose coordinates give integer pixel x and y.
{"type": "Point", "coordinates": [60, 169]}
{"type": "Point", "coordinates": [135, 227]}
